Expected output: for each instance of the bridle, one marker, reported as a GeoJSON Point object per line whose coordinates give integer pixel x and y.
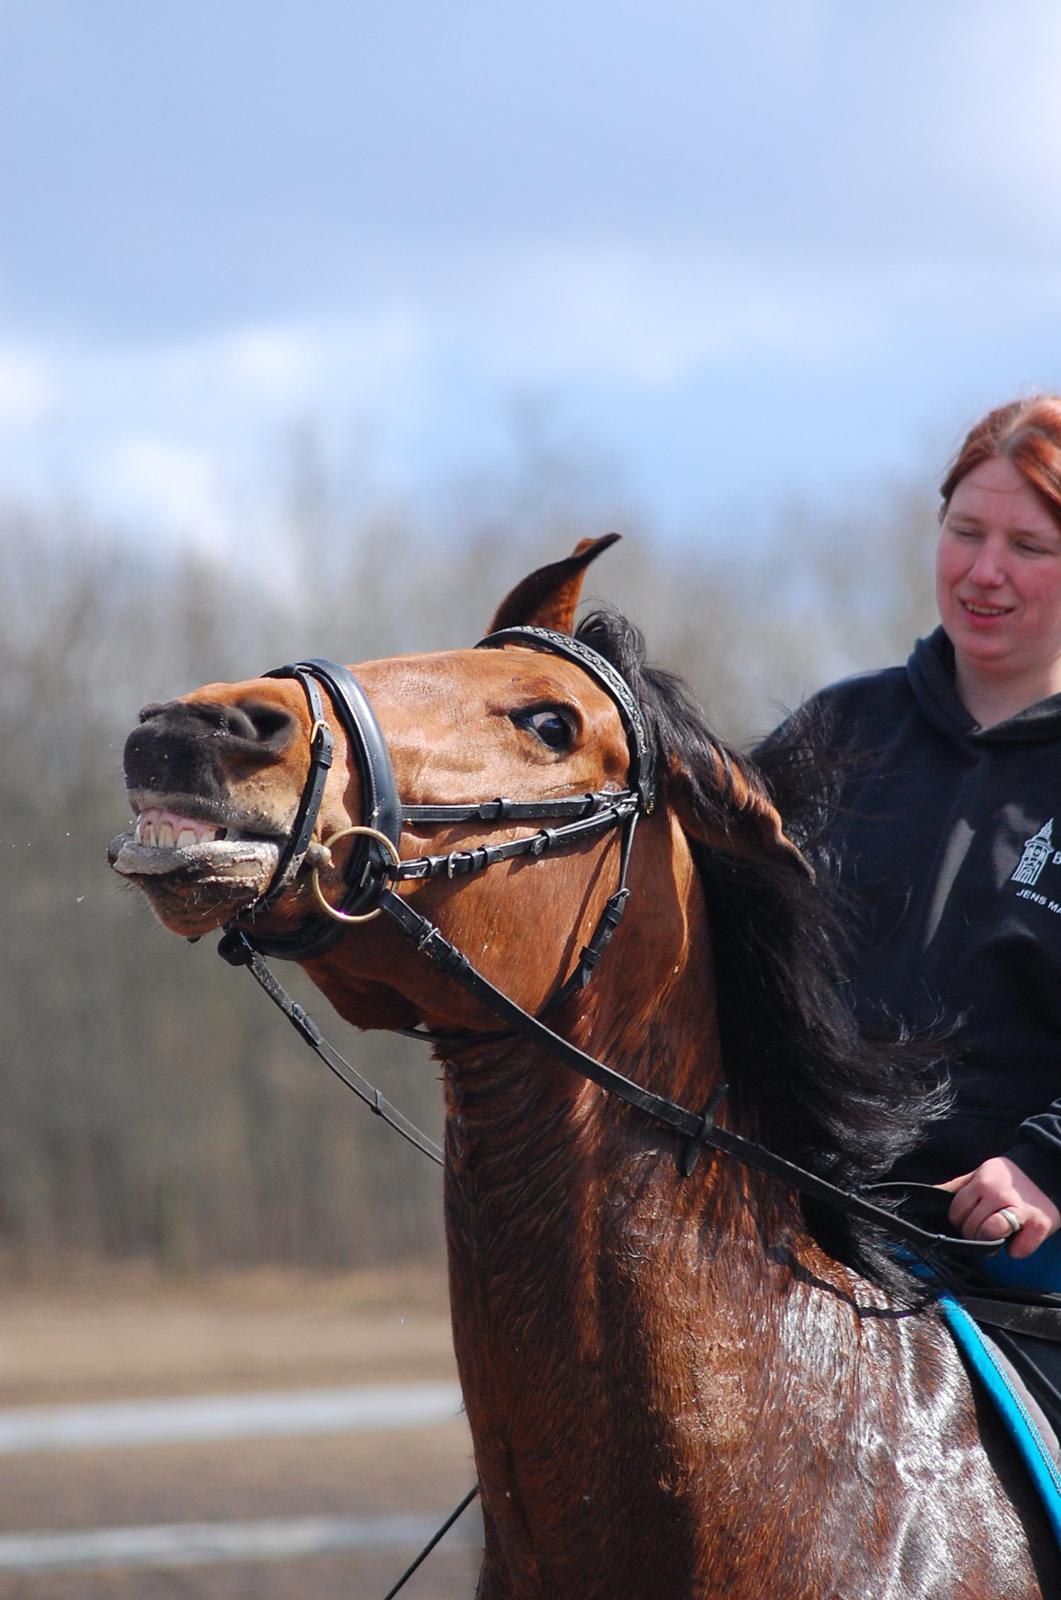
{"type": "Point", "coordinates": [374, 864]}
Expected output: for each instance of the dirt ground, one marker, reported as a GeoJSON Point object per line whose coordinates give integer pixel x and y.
{"type": "Point", "coordinates": [127, 1336]}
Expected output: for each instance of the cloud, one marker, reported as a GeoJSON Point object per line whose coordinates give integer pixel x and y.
{"type": "Point", "coordinates": [164, 488]}
{"type": "Point", "coordinates": [186, 435]}
{"type": "Point", "coordinates": [647, 315]}
{"type": "Point", "coordinates": [27, 392]}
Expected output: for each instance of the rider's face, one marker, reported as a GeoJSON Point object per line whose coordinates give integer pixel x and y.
{"type": "Point", "coordinates": [998, 574]}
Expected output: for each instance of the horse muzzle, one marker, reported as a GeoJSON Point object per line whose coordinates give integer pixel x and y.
{"type": "Point", "coordinates": [198, 852]}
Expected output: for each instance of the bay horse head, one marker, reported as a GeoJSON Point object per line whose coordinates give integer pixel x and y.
{"type": "Point", "coordinates": [220, 780]}
{"type": "Point", "coordinates": [680, 1382]}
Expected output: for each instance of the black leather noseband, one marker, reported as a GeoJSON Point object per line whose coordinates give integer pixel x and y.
{"type": "Point", "coordinates": [380, 804]}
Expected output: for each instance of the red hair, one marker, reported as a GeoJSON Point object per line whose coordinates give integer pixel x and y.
{"type": "Point", "coordinates": [1026, 432]}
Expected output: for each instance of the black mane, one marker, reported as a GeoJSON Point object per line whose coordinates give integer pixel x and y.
{"type": "Point", "coordinates": [803, 1076]}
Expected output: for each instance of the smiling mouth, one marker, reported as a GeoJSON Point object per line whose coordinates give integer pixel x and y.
{"type": "Point", "coordinates": [976, 610]}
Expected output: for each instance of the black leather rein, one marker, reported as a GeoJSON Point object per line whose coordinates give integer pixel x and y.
{"type": "Point", "coordinates": [375, 865]}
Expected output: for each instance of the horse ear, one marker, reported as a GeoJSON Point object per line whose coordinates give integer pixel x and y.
{"type": "Point", "coordinates": [731, 812]}
{"type": "Point", "coordinates": [548, 598]}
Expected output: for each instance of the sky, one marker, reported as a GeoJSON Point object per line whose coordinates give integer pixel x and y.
{"type": "Point", "coordinates": [739, 255]}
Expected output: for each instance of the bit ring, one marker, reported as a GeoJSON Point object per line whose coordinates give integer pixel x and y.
{"type": "Point", "coordinates": [370, 833]}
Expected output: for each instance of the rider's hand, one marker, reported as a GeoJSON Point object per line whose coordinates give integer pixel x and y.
{"type": "Point", "coordinates": [1000, 1185]}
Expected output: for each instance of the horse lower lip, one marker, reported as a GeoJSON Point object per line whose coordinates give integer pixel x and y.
{"type": "Point", "coordinates": [239, 858]}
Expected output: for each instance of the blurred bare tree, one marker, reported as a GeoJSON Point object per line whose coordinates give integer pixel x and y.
{"type": "Point", "coordinates": [154, 1105]}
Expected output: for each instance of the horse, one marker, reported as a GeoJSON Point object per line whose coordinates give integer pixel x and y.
{"type": "Point", "coordinates": [682, 1379]}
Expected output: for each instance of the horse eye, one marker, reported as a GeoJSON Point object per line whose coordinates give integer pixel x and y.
{"type": "Point", "coordinates": [551, 727]}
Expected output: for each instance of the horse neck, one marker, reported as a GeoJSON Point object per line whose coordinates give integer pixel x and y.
{"type": "Point", "coordinates": [602, 1302]}
{"type": "Point", "coordinates": [649, 1012]}
{"type": "Point", "coordinates": [565, 1208]}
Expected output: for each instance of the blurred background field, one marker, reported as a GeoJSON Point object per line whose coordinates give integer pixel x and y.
{"type": "Point", "coordinates": [122, 1332]}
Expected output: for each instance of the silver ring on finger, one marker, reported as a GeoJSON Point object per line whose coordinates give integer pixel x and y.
{"type": "Point", "coordinates": [1015, 1224]}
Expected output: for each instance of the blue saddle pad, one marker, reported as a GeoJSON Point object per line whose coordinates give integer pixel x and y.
{"type": "Point", "coordinates": [1011, 1409]}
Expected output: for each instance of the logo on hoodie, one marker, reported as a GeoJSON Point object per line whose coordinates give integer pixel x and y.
{"type": "Point", "coordinates": [1038, 850]}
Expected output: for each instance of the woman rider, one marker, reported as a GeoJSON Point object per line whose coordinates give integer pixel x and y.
{"type": "Point", "coordinates": [948, 836]}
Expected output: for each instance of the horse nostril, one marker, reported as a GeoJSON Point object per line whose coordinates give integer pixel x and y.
{"type": "Point", "coordinates": [152, 709]}
{"type": "Point", "coordinates": [267, 724]}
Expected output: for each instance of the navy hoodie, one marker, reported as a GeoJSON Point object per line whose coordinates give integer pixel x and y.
{"type": "Point", "coordinates": [948, 839]}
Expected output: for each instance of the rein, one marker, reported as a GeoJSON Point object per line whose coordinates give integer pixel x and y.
{"type": "Point", "coordinates": [375, 864]}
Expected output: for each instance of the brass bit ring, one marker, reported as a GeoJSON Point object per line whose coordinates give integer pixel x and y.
{"type": "Point", "coordinates": [370, 833]}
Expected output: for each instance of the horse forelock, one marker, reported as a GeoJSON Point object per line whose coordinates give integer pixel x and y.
{"type": "Point", "coordinates": [803, 1076]}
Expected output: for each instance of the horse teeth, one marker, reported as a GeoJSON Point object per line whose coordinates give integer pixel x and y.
{"type": "Point", "coordinates": [162, 830]}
